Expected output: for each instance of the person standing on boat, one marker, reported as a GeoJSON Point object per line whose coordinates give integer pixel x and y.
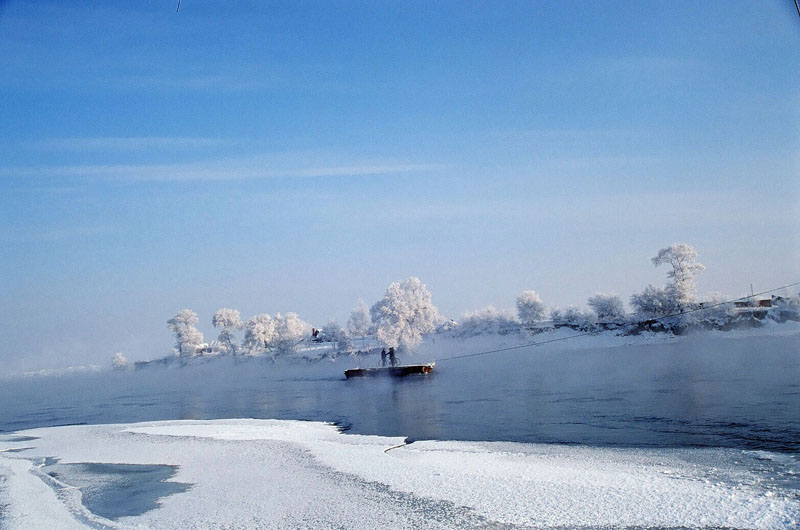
{"type": "Point", "coordinates": [392, 358]}
{"type": "Point", "coordinates": [383, 357]}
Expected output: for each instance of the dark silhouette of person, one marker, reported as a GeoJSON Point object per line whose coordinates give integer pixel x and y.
{"type": "Point", "coordinates": [392, 358]}
{"type": "Point", "coordinates": [383, 357]}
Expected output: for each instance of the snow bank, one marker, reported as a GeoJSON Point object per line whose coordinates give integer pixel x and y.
{"type": "Point", "coordinates": [27, 502]}
{"type": "Point", "coordinates": [278, 474]}
{"type": "Point", "coordinates": [567, 339]}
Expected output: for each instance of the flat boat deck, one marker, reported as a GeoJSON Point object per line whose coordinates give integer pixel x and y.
{"type": "Point", "coordinates": [395, 371]}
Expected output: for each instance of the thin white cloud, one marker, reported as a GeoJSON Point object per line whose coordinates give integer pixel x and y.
{"type": "Point", "coordinates": [132, 143]}
{"type": "Point", "coordinates": [594, 164]}
{"type": "Point", "coordinates": [264, 167]}
{"type": "Point", "coordinates": [195, 82]}
{"type": "Point", "coordinates": [572, 135]}
{"type": "Point", "coordinates": [315, 77]}
{"type": "Point", "coordinates": [29, 234]}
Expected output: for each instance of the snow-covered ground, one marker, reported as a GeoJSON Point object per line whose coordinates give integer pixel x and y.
{"type": "Point", "coordinates": [440, 346]}
{"type": "Point", "coordinates": [290, 474]}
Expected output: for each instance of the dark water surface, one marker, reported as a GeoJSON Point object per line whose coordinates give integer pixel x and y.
{"type": "Point", "coordinates": [118, 490]}
{"type": "Point", "coordinates": [742, 393]}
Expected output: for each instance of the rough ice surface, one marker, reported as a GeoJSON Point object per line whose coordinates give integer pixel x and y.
{"type": "Point", "coordinates": [290, 474]}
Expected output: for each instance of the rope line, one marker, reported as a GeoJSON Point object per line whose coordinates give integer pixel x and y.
{"type": "Point", "coordinates": [585, 333]}
{"type": "Point", "coordinates": [385, 451]}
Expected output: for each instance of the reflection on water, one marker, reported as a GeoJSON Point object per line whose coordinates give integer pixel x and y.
{"type": "Point", "coordinates": [117, 490]}
{"type": "Point", "coordinates": [702, 392]}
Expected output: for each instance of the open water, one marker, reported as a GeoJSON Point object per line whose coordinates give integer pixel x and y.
{"type": "Point", "coordinates": [712, 392]}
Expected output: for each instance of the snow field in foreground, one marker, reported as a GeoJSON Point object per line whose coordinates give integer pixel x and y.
{"type": "Point", "coordinates": [280, 474]}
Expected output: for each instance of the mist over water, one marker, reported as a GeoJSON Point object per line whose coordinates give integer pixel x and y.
{"type": "Point", "coordinates": [696, 392]}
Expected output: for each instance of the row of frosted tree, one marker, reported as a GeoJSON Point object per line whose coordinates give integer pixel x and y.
{"type": "Point", "coordinates": [406, 314]}
{"type": "Point", "coordinates": [400, 319]}
{"type": "Point", "coordinates": [673, 308]}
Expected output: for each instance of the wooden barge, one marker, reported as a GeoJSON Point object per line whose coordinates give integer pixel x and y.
{"type": "Point", "coordinates": [394, 371]}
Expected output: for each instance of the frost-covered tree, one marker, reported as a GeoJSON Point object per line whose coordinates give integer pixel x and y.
{"type": "Point", "coordinates": [274, 336]}
{"type": "Point", "coordinates": [119, 362]}
{"type": "Point", "coordinates": [530, 308]}
{"type": "Point", "coordinates": [360, 323]}
{"type": "Point", "coordinates": [489, 321]}
{"type": "Point", "coordinates": [786, 308]}
{"type": "Point", "coordinates": [607, 307]}
{"type": "Point", "coordinates": [227, 321]}
{"type": "Point", "coordinates": [333, 332]}
{"type": "Point", "coordinates": [405, 314]}
{"type": "Point", "coordinates": [259, 334]}
{"type": "Point", "coordinates": [715, 309]}
{"type": "Point", "coordinates": [290, 330]}
{"type": "Point", "coordinates": [653, 302]}
{"type": "Point", "coordinates": [446, 325]}
{"type": "Point", "coordinates": [683, 259]}
{"type": "Point", "coordinates": [188, 339]}
{"type": "Point", "coordinates": [571, 316]}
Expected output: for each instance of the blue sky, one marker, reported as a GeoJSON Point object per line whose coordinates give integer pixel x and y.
{"type": "Point", "coordinates": [298, 156]}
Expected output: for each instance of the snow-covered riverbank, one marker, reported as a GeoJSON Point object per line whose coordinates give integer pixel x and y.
{"type": "Point", "coordinates": [281, 474]}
